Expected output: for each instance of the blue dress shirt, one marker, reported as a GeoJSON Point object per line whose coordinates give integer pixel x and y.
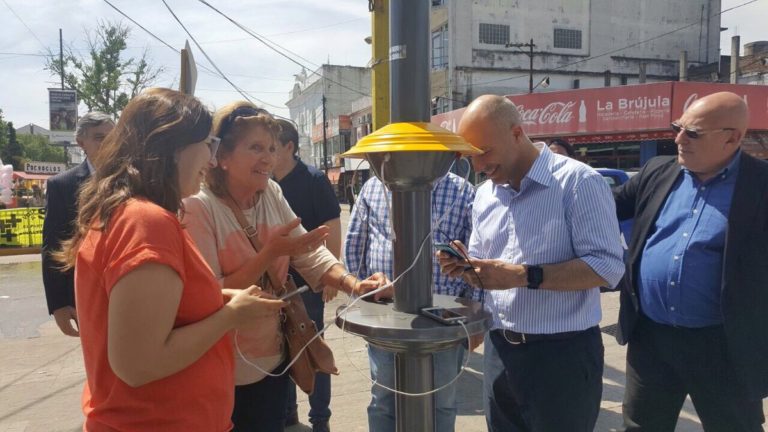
{"type": "Point", "coordinates": [681, 269]}
{"type": "Point", "coordinates": [564, 210]}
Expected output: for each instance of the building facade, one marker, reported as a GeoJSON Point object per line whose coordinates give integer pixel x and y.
{"type": "Point", "coordinates": [483, 46]}
{"type": "Point", "coordinates": [328, 93]}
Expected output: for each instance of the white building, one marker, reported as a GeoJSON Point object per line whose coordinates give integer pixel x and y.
{"type": "Point", "coordinates": [577, 44]}
{"type": "Point", "coordinates": [340, 86]}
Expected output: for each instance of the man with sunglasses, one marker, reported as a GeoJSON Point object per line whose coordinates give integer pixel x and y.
{"type": "Point", "coordinates": [695, 297]}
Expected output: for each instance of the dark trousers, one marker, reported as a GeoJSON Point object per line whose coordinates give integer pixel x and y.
{"type": "Point", "coordinates": [320, 399]}
{"type": "Point", "coordinates": [664, 364]}
{"type": "Point", "coordinates": [550, 385]}
{"type": "Point", "coordinates": [261, 406]}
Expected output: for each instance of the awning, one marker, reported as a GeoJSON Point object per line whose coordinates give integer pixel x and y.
{"type": "Point", "coordinates": [621, 137]}
{"type": "Point", "coordinates": [24, 176]}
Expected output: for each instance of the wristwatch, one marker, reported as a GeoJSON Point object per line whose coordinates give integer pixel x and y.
{"type": "Point", "coordinates": [535, 276]}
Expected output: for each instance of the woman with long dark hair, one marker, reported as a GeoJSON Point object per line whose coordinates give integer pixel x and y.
{"type": "Point", "coordinates": [153, 320]}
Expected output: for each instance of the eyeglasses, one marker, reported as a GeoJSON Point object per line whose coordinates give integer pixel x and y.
{"type": "Point", "coordinates": [213, 145]}
{"type": "Point", "coordinates": [695, 134]}
{"type": "Point", "coordinates": [243, 111]}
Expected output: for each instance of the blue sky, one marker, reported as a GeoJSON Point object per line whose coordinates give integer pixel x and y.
{"type": "Point", "coordinates": [317, 31]}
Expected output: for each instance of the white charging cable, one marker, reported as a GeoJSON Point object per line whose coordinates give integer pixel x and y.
{"type": "Point", "coordinates": [370, 293]}
{"type": "Point", "coordinates": [466, 331]}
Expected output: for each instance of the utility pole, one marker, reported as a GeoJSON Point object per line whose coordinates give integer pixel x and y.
{"type": "Point", "coordinates": [530, 45]}
{"type": "Point", "coordinates": [325, 137]}
{"type": "Point", "coordinates": [61, 57]}
{"type": "Point", "coordinates": [61, 64]}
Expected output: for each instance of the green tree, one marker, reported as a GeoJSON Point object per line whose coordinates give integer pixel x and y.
{"type": "Point", "coordinates": [39, 148]}
{"type": "Point", "coordinates": [13, 152]}
{"type": "Point", "coordinates": [105, 79]}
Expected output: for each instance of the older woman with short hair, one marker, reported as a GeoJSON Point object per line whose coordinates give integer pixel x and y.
{"type": "Point", "coordinates": [241, 183]}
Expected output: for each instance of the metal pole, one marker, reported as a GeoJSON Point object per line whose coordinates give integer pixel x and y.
{"type": "Point", "coordinates": [61, 57]}
{"type": "Point", "coordinates": [409, 61]}
{"type": "Point", "coordinates": [414, 413]}
{"type": "Point", "coordinates": [325, 137]}
{"type": "Point", "coordinates": [380, 67]}
{"type": "Point", "coordinates": [414, 290]}
{"type": "Point", "coordinates": [411, 206]}
{"type": "Point", "coordinates": [530, 68]}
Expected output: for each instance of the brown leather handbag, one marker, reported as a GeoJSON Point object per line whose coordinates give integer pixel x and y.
{"type": "Point", "coordinates": [298, 328]}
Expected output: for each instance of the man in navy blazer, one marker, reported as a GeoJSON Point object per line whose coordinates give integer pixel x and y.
{"type": "Point", "coordinates": [694, 305]}
{"type": "Point", "coordinates": [60, 217]}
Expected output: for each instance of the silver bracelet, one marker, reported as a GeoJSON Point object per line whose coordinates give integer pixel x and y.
{"type": "Point", "coordinates": [341, 281]}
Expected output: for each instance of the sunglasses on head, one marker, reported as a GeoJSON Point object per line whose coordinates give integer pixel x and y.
{"type": "Point", "coordinates": [213, 145]}
{"type": "Point", "coordinates": [241, 112]}
{"type": "Point", "coordinates": [695, 134]}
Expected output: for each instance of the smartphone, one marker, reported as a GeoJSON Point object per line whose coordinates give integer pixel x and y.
{"type": "Point", "coordinates": [445, 247]}
{"type": "Point", "coordinates": [443, 315]}
{"type": "Point", "coordinates": [299, 290]}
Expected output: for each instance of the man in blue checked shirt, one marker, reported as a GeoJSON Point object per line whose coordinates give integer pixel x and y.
{"type": "Point", "coordinates": [368, 249]}
{"type": "Point", "coordinates": [545, 239]}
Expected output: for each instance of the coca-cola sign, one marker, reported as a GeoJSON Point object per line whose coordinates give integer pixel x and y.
{"type": "Point", "coordinates": [553, 113]}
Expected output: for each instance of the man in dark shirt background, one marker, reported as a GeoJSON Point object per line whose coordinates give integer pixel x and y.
{"type": "Point", "coordinates": [313, 199]}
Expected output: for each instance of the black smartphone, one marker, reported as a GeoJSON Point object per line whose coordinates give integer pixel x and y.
{"type": "Point", "coordinates": [443, 315]}
{"type": "Point", "coordinates": [445, 247]}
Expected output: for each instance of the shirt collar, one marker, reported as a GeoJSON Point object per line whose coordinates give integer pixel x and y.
{"type": "Point", "coordinates": [729, 170]}
{"type": "Point", "coordinates": [91, 168]}
{"type": "Point", "coordinates": [541, 170]}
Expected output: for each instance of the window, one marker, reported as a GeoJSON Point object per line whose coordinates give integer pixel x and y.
{"type": "Point", "coordinates": [565, 38]}
{"type": "Point", "coordinates": [494, 34]}
{"type": "Point", "coordinates": [438, 2]}
{"type": "Point", "coordinates": [440, 48]}
{"type": "Point", "coordinates": [576, 83]}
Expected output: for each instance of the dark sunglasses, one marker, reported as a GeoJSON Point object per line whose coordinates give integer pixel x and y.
{"type": "Point", "coordinates": [241, 112]}
{"type": "Point", "coordinates": [213, 145]}
{"type": "Point", "coordinates": [695, 134]}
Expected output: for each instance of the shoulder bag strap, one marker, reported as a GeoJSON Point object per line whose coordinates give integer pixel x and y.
{"type": "Point", "coordinates": [252, 234]}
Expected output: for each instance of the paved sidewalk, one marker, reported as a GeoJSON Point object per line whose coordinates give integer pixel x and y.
{"type": "Point", "coordinates": [41, 372]}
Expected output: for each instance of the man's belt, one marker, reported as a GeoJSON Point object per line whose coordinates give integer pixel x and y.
{"type": "Point", "coordinates": [516, 338]}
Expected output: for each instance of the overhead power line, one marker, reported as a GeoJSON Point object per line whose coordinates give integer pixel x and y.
{"type": "Point", "coordinates": [271, 45]}
{"type": "Point", "coordinates": [157, 38]}
{"type": "Point", "coordinates": [25, 24]}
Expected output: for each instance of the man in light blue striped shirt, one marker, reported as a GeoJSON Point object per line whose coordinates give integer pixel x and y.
{"type": "Point", "coordinates": [545, 239]}
{"type": "Point", "coordinates": [368, 250]}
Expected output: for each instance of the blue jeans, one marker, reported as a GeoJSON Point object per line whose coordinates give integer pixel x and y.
{"type": "Point", "coordinates": [381, 411]}
{"type": "Point", "coordinates": [320, 399]}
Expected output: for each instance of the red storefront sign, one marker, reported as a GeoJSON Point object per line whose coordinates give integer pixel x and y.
{"type": "Point", "coordinates": [756, 96]}
{"type": "Point", "coordinates": [638, 112]}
